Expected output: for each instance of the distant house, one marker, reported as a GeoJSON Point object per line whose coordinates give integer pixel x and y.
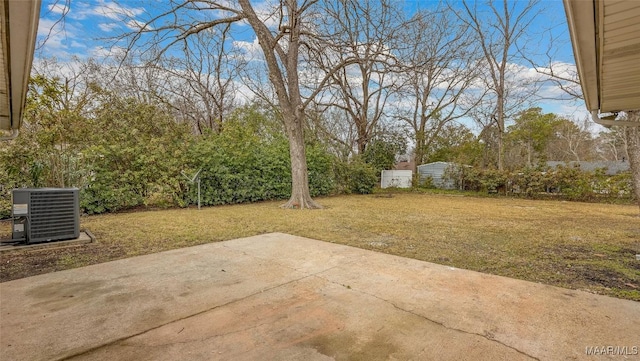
{"type": "Point", "coordinates": [405, 165]}
{"type": "Point", "coordinates": [612, 168]}
{"type": "Point", "coordinates": [436, 171]}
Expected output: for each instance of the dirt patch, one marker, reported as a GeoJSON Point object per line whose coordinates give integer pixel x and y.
{"type": "Point", "coordinates": [597, 268]}
{"type": "Point", "coordinates": [596, 276]}
{"type": "Point", "coordinates": [570, 252]}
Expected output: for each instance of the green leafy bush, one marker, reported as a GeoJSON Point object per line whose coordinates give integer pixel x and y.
{"type": "Point", "coordinates": [427, 183]}
{"type": "Point", "coordinates": [380, 155]}
{"type": "Point", "coordinates": [137, 160]}
{"type": "Point", "coordinates": [320, 166]}
{"type": "Point", "coordinates": [619, 186]}
{"type": "Point", "coordinates": [237, 167]}
{"type": "Point", "coordinates": [242, 165]}
{"type": "Point", "coordinates": [355, 176]}
{"type": "Point", "coordinates": [527, 182]}
{"type": "Point", "coordinates": [570, 183]}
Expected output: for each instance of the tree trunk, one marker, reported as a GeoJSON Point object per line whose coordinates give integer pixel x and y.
{"type": "Point", "coordinates": [418, 156]}
{"type": "Point", "coordinates": [362, 143]}
{"type": "Point", "coordinates": [500, 120]}
{"type": "Point", "coordinates": [632, 135]}
{"type": "Point", "coordinates": [300, 195]}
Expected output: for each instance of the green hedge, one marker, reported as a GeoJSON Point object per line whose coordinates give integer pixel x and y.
{"type": "Point", "coordinates": [568, 183]}
{"type": "Point", "coordinates": [355, 177]}
{"type": "Point", "coordinates": [238, 167]}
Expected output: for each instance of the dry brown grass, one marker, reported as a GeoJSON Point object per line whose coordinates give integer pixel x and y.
{"type": "Point", "coordinates": [574, 245]}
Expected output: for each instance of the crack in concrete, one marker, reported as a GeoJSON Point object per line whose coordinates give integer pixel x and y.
{"type": "Point", "coordinates": [202, 339]}
{"type": "Point", "coordinates": [441, 324]}
{"type": "Point", "coordinates": [124, 338]}
{"type": "Point", "coordinates": [230, 332]}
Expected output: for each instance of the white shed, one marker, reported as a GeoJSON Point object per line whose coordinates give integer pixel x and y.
{"type": "Point", "coordinates": [396, 178]}
{"type": "Point", "coordinates": [437, 172]}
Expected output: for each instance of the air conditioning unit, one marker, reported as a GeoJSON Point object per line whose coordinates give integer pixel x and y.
{"type": "Point", "coordinates": [45, 214]}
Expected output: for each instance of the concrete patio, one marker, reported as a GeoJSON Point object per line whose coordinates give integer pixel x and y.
{"type": "Point", "coordinates": [283, 297]}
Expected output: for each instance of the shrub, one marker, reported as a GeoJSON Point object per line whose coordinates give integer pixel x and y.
{"type": "Point", "coordinates": [138, 161]}
{"type": "Point", "coordinates": [492, 180]}
{"type": "Point", "coordinates": [355, 176]}
{"type": "Point", "coordinates": [569, 183]}
{"type": "Point", "coordinates": [426, 183]}
{"type": "Point", "coordinates": [5, 206]}
{"type": "Point", "coordinates": [239, 166]}
{"type": "Point", "coordinates": [527, 182]}
{"type": "Point", "coordinates": [380, 155]}
{"type": "Point", "coordinates": [466, 178]}
{"type": "Point", "coordinates": [620, 186]}
{"type": "Point", "coordinates": [320, 167]}
{"type": "Point", "coordinates": [572, 183]}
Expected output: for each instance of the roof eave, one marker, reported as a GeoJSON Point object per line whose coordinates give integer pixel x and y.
{"type": "Point", "coordinates": [582, 27]}
{"type": "Point", "coordinates": [21, 24]}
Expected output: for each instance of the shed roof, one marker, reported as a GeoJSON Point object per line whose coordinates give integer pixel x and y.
{"type": "Point", "coordinates": [440, 163]}
{"type": "Point", "coordinates": [606, 45]}
{"type": "Point", "coordinates": [18, 29]}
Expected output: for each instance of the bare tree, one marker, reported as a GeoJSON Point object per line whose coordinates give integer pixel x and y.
{"type": "Point", "coordinates": [626, 134]}
{"type": "Point", "coordinates": [282, 63]}
{"type": "Point", "coordinates": [332, 127]}
{"type": "Point", "coordinates": [554, 73]}
{"type": "Point", "coordinates": [63, 6]}
{"type": "Point", "coordinates": [612, 145]}
{"type": "Point", "coordinates": [364, 34]}
{"type": "Point", "coordinates": [498, 31]}
{"type": "Point", "coordinates": [438, 71]}
{"type": "Point", "coordinates": [571, 141]}
{"type": "Point", "coordinates": [201, 84]}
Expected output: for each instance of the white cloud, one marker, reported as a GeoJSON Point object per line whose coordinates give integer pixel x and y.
{"type": "Point", "coordinates": [83, 23]}
{"type": "Point", "coordinates": [101, 52]}
{"type": "Point", "coordinates": [68, 69]}
{"type": "Point", "coordinates": [107, 27]}
{"type": "Point", "coordinates": [113, 11]}
{"type": "Point", "coordinates": [268, 12]}
{"type": "Point", "coordinates": [561, 69]}
{"type": "Point", "coordinates": [46, 26]}
{"type": "Point", "coordinates": [251, 50]}
{"type": "Point", "coordinates": [57, 8]}
{"type": "Point", "coordinates": [56, 36]}
{"type": "Point", "coordinates": [134, 24]}
{"type": "Point", "coordinates": [79, 11]}
{"type": "Point", "coordinates": [77, 44]}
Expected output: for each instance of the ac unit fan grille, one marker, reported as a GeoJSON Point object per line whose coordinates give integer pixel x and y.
{"type": "Point", "coordinates": [52, 214]}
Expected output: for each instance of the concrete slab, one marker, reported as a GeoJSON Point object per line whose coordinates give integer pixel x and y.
{"type": "Point", "coordinates": [282, 297]}
{"type": "Point", "coordinates": [84, 237]}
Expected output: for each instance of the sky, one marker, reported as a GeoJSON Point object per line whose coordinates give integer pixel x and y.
{"type": "Point", "coordinates": [89, 24]}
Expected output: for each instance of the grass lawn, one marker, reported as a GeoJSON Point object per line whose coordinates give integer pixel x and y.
{"type": "Point", "coordinates": [575, 245]}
